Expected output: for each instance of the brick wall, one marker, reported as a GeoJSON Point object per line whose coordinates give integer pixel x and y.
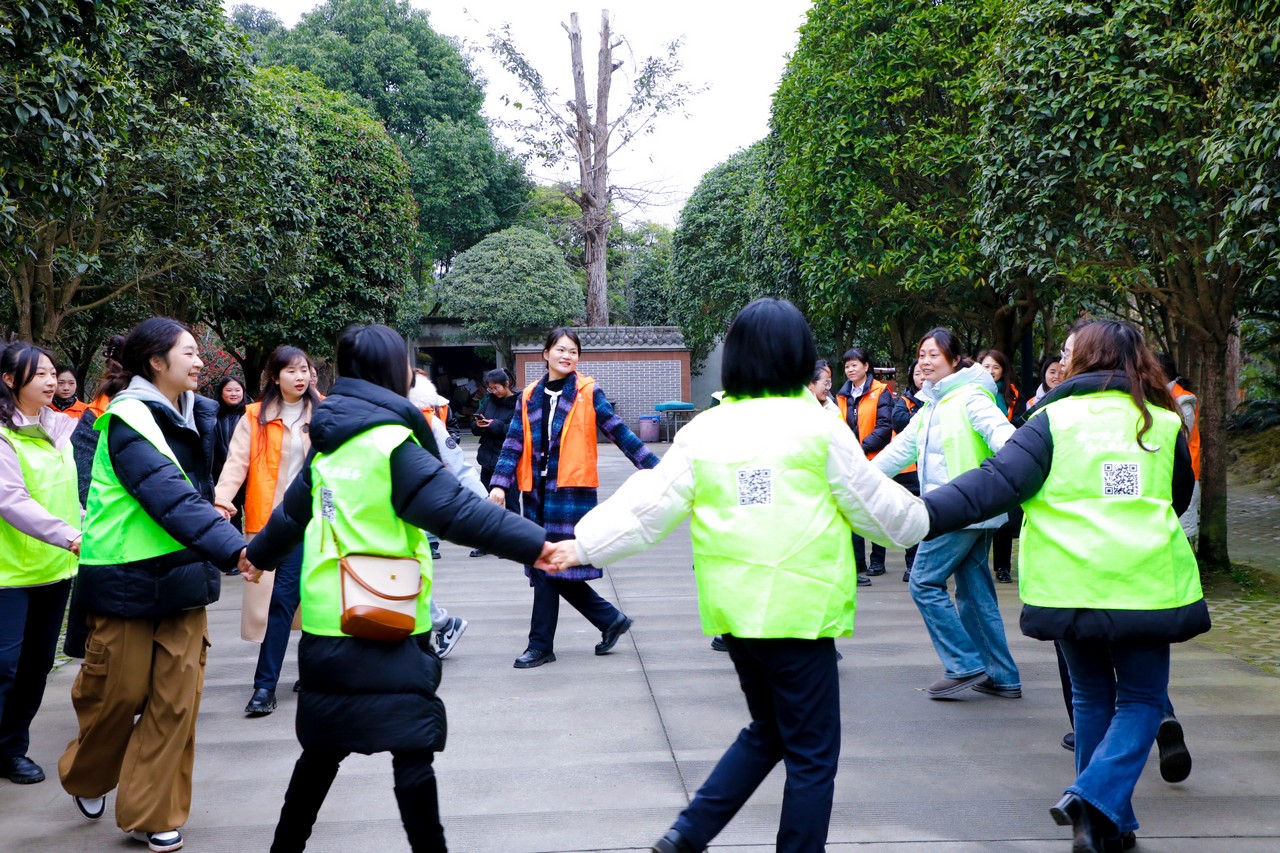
{"type": "Point", "coordinates": [634, 381]}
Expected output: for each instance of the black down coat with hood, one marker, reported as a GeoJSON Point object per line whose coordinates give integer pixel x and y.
{"type": "Point", "coordinates": [361, 695]}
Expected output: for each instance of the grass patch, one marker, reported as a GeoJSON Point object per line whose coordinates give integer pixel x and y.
{"type": "Point", "coordinates": [1242, 581]}
{"type": "Point", "coordinates": [1254, 456]}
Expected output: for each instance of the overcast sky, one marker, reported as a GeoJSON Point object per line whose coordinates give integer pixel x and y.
{"type": "Point", "coordinates": [736, 50]}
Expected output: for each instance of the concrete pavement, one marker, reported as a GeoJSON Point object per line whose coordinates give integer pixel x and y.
{"type": "Point", "coordinates": [601, 753]}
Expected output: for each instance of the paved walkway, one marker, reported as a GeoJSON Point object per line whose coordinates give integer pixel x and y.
{"type": "Point", "coordinates": [600, 753]}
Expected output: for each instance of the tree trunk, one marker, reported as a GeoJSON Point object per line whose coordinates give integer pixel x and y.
{"type": "Point", "coordinates": [1211, 355]}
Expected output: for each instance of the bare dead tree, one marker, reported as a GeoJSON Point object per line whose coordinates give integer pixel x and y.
{"type": "Point", "coordinates": [583, 131]}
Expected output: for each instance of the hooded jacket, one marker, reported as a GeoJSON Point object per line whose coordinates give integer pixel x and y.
{"type": "Point", "coordinates": [359, 695]}
{"type": "Point", "coordinates": [924, 442]}
{"type": "Point", "coordinates": [1015, 474]}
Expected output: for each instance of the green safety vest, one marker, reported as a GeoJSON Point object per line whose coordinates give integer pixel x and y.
{"type": "Point", "coordinates": [117, 530]}
{"type": "Point", "coordinates": [351, 507]}
{"type": "Point", "coordinates": [50, 477]}
{"type": "Point", "coordinates": [772, 552]}
{"type": "Point", "coordinates": [1101, 533]}
{"type": "Point", "coordinates": [963, 447]}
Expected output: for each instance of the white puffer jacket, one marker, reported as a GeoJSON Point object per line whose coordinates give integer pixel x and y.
{"type": "Point", "coordinates": [921, 441]}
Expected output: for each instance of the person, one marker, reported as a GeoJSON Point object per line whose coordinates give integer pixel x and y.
{"type": "Point", "coordinates": [433, 405]}
{"type": "Point", "coordinates": [957, 427]}
{"type": "Point", "coordinates": [446, 630]}
{"type": "Point", "coordinates": [1107, 572]}
{"type": "Point", "coordinates": [1051, 371]}
{"type": "Point", "coordinates": [267, 451]}
{"type": "Point", "coordinates": [39, 542]}
{"type": "Point", "coordinates": [1189, 408]}
{"type": "Point", "coordinates": [65, 399]}
{"type": "Point", "coordinates": [1008, 398]}
{"type": "Point", "coordinates": [820, 386]}
{"type": "Point", "coordinates": [374, 482]}
{"type": "Point", "coordinates": [490, 424]}
{"type": "Point", "coordinates": [905, 405]}
{"type": "Point", "coordinates": [550, 455]}
{"type": "Point", "coordinates": [150, 562]}
{"type": "Point", "coordinates": [866, 405]}
{"type": "Point", "coordinates": [773, 489]}
{"type": "Point", "coordinates": [230, 395]}
{"type": "Point", "coordinates": [84, 440]}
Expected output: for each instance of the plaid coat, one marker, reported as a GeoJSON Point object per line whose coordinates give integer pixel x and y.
{"type": "Point", "coordinates": [558, 510]}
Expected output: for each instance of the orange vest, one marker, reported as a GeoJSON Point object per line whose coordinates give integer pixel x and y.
{"type": "Point", "coordinates": [99, 404]}
{"type": "Point", "coordinates": [866, 410]}
{"type": "Point", "coordinates": [75, 410]}
{"type": "Point", "coordinates": [577, 468]}
{"type": "Point", "coordinates": [264, 468]}
{"type": "Point", "coordinates": [911, 407]}
{"type": "Point", "coordinates": [1193, 434]}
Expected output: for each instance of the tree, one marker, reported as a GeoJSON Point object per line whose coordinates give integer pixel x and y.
{"type": "Point", "coordinates": [1128, 145]}
{"type": "Point", "coordinates": [429, 97]}
{"type": "Point", "coordinates": [593, 138]}
{"type": "Point", "coordinates": [644, 259]}
{"type": "Point", "coordinates": [510, 283]}
{"type": "Point", "coordinates": [139, 160]}
{"type": "Point", "coordinates": [348, 257]}
{"type": "Point", "coordinates": [876, 122]}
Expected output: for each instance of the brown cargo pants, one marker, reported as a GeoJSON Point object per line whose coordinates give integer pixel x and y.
{"type": "Point", "coordinates": [148, 667]}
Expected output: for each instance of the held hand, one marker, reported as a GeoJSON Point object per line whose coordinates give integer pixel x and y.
{"type": "Point", "coordinates": [248, 571]}
{"type": "Point", "coordinates": [545, 560]}
{"type": "Point", "coordinates": [74, 547]}
{"type": "Point", "coordinates": [563, 555]}
{"type": "Point", "coordinates": [498, 496]}
{"type": "Point", "coordinates": [224, 512]}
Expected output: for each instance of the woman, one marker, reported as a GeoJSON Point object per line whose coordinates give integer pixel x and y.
{"type": "Point", "coordinates": [1051, 372]}
{"type": "Point", "coordinates": [374, 483]}
{"type": "Point", "coordinates": [905, 405]}
{"type": "Point", "coordinates": [1008, 398]}
{"type": "Point", "coordinates": [820, 386]}
{"type": "Point", "coordinates": [150, 563]}
{"type": "Point", "coordinates": [39, 541]}
{"type": "Point", "coordinates": [550, 455]}
{"type": "Point", "coordinates": [773, 490]}
{"type": "Point", "coordinates": [866, 404]}
{"type": "Point", "coordinates": [65, 399]}
{"type": "Point", "coordinates": [268, 449]}
{"type": "Point", "coordinates": [491, 422]}
{"type": "Point", "coordinates": [1107, 572]}
{"type": "Point", "coordinates": [957, 427]}
{"type": "Point", "coordinates": [231, 399]}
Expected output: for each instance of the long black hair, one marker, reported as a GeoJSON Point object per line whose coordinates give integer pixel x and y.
{"type": "Point", "coordinates": [769, 350]}
{"type": "Point", "coordinates": [20, 360]}
{"type": "Point", "coordinates": [376, 354]}
{"type": "Point", "coordinates": [272, 396]}
{"type": "Point", "coordinates": [1004, 385]}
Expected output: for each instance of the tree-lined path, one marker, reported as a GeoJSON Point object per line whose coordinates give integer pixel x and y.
{"type": "Point", "coordinates": [601, 753]}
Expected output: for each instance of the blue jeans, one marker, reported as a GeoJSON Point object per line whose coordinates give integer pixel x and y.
{"type": "Point", "coordinates": [30, 619]}
{"type": "Point", "coordinates": [284, 603]}
{"type": "Point", "coordinates": [1120, 693]}
{"type": "Point", "coordinates": [968, 633]}
{"type": "Point", "coordinates": [792, 689]}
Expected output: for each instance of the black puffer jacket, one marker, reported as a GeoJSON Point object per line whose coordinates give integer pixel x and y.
{"type": "Point", "coordinates": [365, 696]}
{"type": "Point", "coordinates": [1014, 475]}
{"type": "Point", "coordinates": [182, 506]}
{"type": "Point", "coordinates": [499, 412]}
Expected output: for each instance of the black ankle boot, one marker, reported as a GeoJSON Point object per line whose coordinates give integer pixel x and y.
{"type": "Point", "coordinates": [1085, 822]}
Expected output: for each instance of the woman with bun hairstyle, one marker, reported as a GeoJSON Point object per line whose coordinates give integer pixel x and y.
{"type": "Point", "coordinates": [958, 425]}
{"type": "Point", "coordinates": [1102, 470]}
{"type": "Point", "coordinates": [268, 449]}
{"type": "Point", "coordinates": [373, 485]}
{"type": "Point", "coordinates": [550, 455]}
{"type": "Point", "coordinates": [39, 541]}
{"type": "Point", "coordinates": [152, 557]}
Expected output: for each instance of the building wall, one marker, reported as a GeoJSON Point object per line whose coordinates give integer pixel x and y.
{"type": "Point", "coordinates": [633, 380]}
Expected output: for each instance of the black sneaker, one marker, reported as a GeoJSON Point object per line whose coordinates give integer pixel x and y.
{"type": "Point", "coordinates": [21, 770]}
{"type": "Point", "coordinates": [718, 644]}
{"type": "Point", "coordinates": [1003, 576]}
{"type": "Point", "coordinates": [876, 569]}
{"type": "Point", "coordinates": [261, 703]}
{"type": "Point", "coordinates": [479, 552]}
{"type": "Point", "coordinates": [1069, 741]}
{"type": "Point", "coordinates": [863, 580]}
{"type": "Point", "coordinates": [1175, 760]}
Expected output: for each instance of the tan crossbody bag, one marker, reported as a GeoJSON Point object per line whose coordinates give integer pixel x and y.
{"type": "Point", "coordinates": [379, 594]}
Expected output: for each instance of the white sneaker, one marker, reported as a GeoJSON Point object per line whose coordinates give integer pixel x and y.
{"type": "Point", "coordinates": [159, 842]}
{"type": "Point", "coordinates": [91, 807]}
{"type": "Point", "coordinates": [448, 636]}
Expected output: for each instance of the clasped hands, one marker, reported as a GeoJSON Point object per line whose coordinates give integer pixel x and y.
{"type": "Point", "coordinates": [248, 571]}
{"type": "Point", "coordinates": [556, 557]}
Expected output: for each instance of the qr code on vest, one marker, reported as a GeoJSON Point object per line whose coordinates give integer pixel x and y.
{"type": "Point", "coordinates": [755, 486]}
{"type": "Point", "coordinates": [1121, 478]}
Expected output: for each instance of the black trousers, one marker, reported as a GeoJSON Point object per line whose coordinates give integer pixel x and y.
{"type": "Point", "coordinates": [547, 592]}
{"type": "Point", "coordinates": [415, 780]}
{"type": "Point", "coordinates": [30, 619]}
